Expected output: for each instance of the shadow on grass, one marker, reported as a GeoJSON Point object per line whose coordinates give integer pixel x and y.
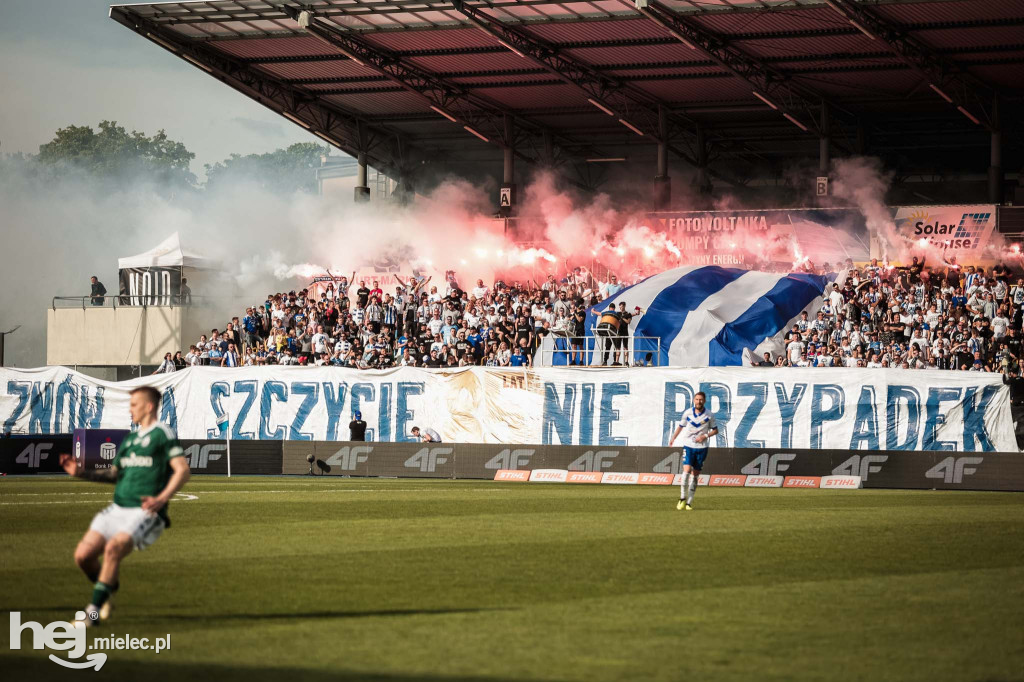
{"type": "Point", "coordinates": [318, 615]}
{"type": "Point", "coordinates": [41, 668]}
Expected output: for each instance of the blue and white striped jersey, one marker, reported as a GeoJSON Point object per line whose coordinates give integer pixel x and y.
{"type": "Point", "coordinates": [695, 424]}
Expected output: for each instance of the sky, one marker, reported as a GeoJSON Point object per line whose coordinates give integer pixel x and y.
{"type": "Point", "coordinates": [66, 62]}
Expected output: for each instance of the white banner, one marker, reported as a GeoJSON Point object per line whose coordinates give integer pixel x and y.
{"type": "Point", "coordinates": [959, 231]}
{"type": "Point", "coordinates": [755, 407]}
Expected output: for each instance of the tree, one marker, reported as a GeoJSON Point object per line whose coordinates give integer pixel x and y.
{"type": "Point", "coordinates": [115, 153]}
{"type": "Point", "coordinates": [282, 171]}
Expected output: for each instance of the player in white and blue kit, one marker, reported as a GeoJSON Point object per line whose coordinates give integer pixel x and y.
{"type": "Point", "coordinates": [697, 427]}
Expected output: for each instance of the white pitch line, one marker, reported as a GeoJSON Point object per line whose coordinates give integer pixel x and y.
{"type": "Point", "coordinates": [53, 493]}
{"type": "Point", "coordinates": [195, 494]}
{"type": "Point", "coordinates": [328, 490]}
{"type": "Point", "coordinates": [178, 497]}
{"type": "Point", "coordinates": [206, 492]}
{"type": "Point", "coordinates": [17, 504]}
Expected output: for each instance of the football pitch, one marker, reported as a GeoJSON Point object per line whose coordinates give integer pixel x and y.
{"type": "Point", "coordinates": [349, 579]}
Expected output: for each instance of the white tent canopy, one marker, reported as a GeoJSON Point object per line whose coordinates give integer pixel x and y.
{"type": "Point", "coordinates": [168, 254]}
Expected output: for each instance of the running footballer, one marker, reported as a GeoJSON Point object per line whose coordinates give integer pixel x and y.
{"type": "Point", "coordinates": [146, 472]}
{"type": "Point", "coordinates": [698, 426]}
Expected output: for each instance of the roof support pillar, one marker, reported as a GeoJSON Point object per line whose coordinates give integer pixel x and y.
{"type": "Point", "coordinates": [995, 168]}
{"type": "Point", "coordinates": [662, 181]}
{"type": "Point", "coordinates": [362, 190]}
{"type": "Point", "coordinates": [405, 190]}
{"type": "Point", "coordinates": [549, 149]}
{"type": "Point", "coordinates": [507, 198]}
{"type": "Point", "coordinates": [703, 179]}
{"type": "Point", "coordinates": [509, 169]}
{"type": "Point", "coordinates": [510, 152]}
{"type": "Point", "coordinates": [823, 142]}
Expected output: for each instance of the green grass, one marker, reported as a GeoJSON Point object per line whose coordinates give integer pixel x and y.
{"type": "Point", "coordinates": [346, 579]}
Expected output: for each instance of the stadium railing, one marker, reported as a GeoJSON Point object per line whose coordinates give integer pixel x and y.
{"type": "Point", "coordinates": [119, 301]}
{"type": "Point", "coordinates": [637, 351]}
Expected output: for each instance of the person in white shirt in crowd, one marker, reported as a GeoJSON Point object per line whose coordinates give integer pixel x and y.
{"type": "Point", "coordinates": [320, 341]}
{"type": "Point", "coordinates": [277, 312]}
{"type": "Point", "coordinates": [919, 341]}
{"type": "Point", "coordinates": [803, 325]}
{"type": "Point", "coordinates": [203, 346]}
{"type": "Point", "coordinates": [472, 316]}
{"type": "Point", "coordinates": [436, 323]}
{"type": "Point", "coordinates": [426, 434]}
{"type": "Point", "coordinates": [358, 313]}
{"type": "Point", "coordinates": [1000, 324]}
{"type": "Point", "coordinates": [795, 348]}
{"type": "Point", "coordinates": [611, 287]}
{"type": "Point", "coordinates": [166, 366]}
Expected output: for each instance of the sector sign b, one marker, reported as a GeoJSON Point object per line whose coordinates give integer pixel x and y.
{"type": "Point", "coordinates": [821, 186]}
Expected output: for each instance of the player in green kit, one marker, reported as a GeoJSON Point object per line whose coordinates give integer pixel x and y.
{"type": "Point", "coordinates": [146, 472]}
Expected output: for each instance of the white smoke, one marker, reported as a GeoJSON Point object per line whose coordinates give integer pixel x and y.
{"type": "Point", "coordinates": [862, 181]}
{"type": "Point", "coordinates": [60, 232]}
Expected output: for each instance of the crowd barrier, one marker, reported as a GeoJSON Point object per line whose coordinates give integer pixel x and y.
{"type": "Point", "coordinates": [944, 470]}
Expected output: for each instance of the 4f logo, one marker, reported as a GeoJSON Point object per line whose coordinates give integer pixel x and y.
{"type": "Point", "coordinates": [673, 464]}
{"type": "Point", "coordinates": [953, 469]}
{"type": "Point", "coordinates": [32, 455]}
{"type": "Point", "coordinates": [200, 456]}
{"type": "Point", "coordinates": [511, 459]}
{"type": "Point", "coordinates": [767, 464]}
{"type": "Point", "coordinates": [427, 459]}
{"type": "Point", "coordinates": [592, 460]}
{"type": "Point", "coordinates": [861, 465]}
{"type": "Point", "coordinates": [350, 457]}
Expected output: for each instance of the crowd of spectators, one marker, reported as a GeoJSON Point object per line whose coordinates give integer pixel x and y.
{"type": "Point", "coordinates": [913, 317]}
{"type": "Point", "coordinates": [421, 324]}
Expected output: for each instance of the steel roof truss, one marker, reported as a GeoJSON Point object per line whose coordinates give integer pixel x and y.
{"type": "Point", "coordinates": [344, 129]}
{"type": "Point", "coordinates": [769, 85]}
{"type": "Point", "coordinates": [478, 115]}
{"type": "Point", "coordinates": [950, 82]}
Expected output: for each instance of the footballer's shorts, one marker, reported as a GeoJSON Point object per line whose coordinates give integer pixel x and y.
{"type": "Point", "coordinates": [694, 457]}
{"type": "Point", "coordinates": [144, 526]}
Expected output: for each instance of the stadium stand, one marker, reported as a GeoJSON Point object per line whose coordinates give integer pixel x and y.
{"type": "Point", "coordinates": [913, 317]}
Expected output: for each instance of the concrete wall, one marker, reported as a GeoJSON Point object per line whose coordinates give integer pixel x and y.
{"type": "Point", "coordinates": [101, 373]}
{"type": "Point", "coordinates": [117, 336]}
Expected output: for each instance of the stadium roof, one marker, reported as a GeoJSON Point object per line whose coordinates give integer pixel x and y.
{"type": "Point", "coordinates": [741, 87]}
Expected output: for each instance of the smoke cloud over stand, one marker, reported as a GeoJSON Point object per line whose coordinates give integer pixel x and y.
{"type": "Point", "coordinates": [60, 232]}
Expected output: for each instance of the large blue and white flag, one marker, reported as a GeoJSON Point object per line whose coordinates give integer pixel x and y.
{"type": "Point", "coordinates": [702, 316]}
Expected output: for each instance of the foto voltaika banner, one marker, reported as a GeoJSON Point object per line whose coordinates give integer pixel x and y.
{"type": "Point", "coordinates": [819, 408]}
{"type": "Point", "coordinates": [744, 238]}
